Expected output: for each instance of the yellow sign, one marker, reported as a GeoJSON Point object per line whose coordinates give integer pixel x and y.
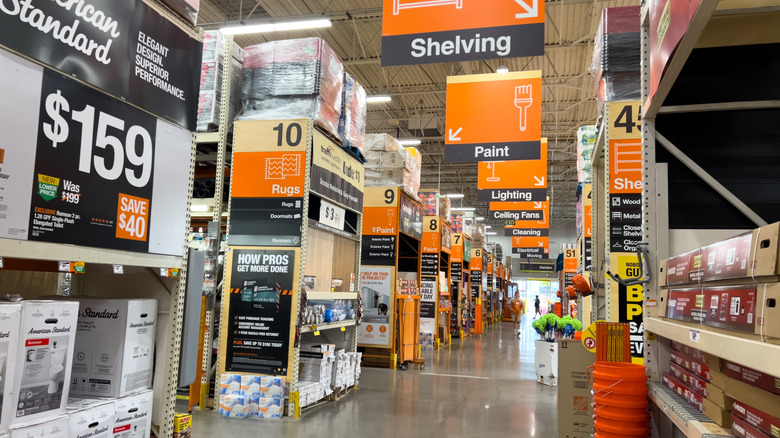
{"type": "Point", "coordinates": [589, 337]}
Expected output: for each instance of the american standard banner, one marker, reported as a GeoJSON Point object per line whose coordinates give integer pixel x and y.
{"type": "Point", "coordinates": [124, 47]}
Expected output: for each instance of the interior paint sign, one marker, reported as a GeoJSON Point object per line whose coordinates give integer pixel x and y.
{"type": "Point", "coordinates": [263, 287]}
{"type": "Point", "coordinates": [426, 31]}
{"type": "Point", "coordinates": [80, 167]}
{"type": "Point", "coordinates": [498, 180]}
{"type": "Point", "coordinates": [494, 117]}
{"type": "Point", "coordinates": [126, 48]}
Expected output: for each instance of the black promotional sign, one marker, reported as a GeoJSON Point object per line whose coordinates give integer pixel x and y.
{"type": "Point", "coordinates": [518, 195]}
{"type": "Point", "coordinates": [531, 253]}
{"type": "Point", "coordinates": [521, 215]}
{"type": "Point", "coordinates": [262, 287]}
{"type": "Point", "coordinates": [527, 232]}
{"type": "Point", "coordinates": [378, 250]}
{"type": "Point", "coordinates": [265, 221]}
{"type": "Point", "coordinates": [411, 218]}
{"type": "Point", "coordinates": [123, 47]}
{"type": "Point", "coordinates": [474, 290]}
{"type": "Point", "coordinates": [625, 221]}
{"type": "Point", "coordinates": [537, 267]}
{"type": "Point", "coordinates": [588, 254]}
{"type": "Point", "coordinates": [476, 277]}
{"type": "Point", "coordinates": [336, 174]}
{"type": "Point", "coordinates": [428, 305]}
{"type": "Point", "coordinates": [456, 271]}
{"type": "Point", "coordinates": [93, 174]}
{"type": "Point", "coordinates": [429, 264]}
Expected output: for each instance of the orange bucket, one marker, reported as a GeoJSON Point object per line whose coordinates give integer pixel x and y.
{"type": "Point", "coordinates": [619, 371]}
{"type": "Point", "coordinates": [602, 434]}
{"type": "Point", "coordinates": [625, 428]}
{"type": "Point", "coordinates": [637, 389]}
{"type": "Point", "coordinates": [610, 412]}
{"type": "Point", "coordinates": [622, 401]}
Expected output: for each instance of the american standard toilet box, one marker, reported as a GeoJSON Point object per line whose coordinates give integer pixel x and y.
{"type": "Point", "coordinates": [10, 318]}
{"type": "Point", "coordinates": [95, 420]}
{"type": "Point", "coordinates": [114, 347]}
{"type": "Point", "coordinates": [53, 427]}
{"type": "Point", "coordinates": [133, 416]}
{"type": "Point", "coordinates": [45, 355]}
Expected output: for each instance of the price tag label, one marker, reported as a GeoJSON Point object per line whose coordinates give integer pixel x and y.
{"type": "Point", "coordinates": [163, 272]}
{"type": "Point", "coordinates": [343, 329]}
{"type": "Point", "coordinates": [331, 215]}
{"type": "Point", "coordinates": [317, 333]}
{"type": "Point", "coordinates": [64, 267]}
{"type": "Point", "coordinates": [79, 267]}
{"type": "Point", "coordinates": [119, 269]}
{"type": "Point", "coordinates": [1, 263]}
{"type": "Point", "coordinates": [695, 336]}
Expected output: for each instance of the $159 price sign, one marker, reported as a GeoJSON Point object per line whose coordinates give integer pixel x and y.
{"type": "Point", "coordinates": [103, 152]}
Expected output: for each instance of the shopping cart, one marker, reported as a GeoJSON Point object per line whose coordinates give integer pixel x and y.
{"type": "Point", "coordinates": [409, 4]}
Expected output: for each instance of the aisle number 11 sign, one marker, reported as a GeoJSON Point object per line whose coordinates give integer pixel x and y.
{"type": "Point", "coordinates": [494, 117]}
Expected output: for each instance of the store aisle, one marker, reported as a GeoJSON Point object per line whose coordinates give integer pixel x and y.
{"type": "Point", "coordinates": [481, 386]}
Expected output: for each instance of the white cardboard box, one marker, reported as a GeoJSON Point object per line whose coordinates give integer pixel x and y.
{"type": "Point", "coordinates": [114, 347]}
{"type": "Point", "coordinates": [56, 427]}
{"type": "Point", "coordinates": [10, 318]}
{"type": "Point", "coordinates": [45, 352]}
{"type": "Point", "coordinates": [93, 421]}
{"type": "Point", "coordinates": [546, 356]}
{"type": "Point", "coordinates": [133, 416]}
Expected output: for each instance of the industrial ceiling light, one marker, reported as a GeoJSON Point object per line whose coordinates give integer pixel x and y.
{"type": "Point", "coordinates": [378, 98]}
{"type": "Point", "coordinates": [487, 227]}
{"type": "Point", "coordinates": [199, 208]}
{"type": "Point", "coordinates": [456, 195]}
{"type": "Point", "coordinates": [502, 69]}
{"type": "Point", "coordinates": [479, 218]}
{"type": "Point", "coordinates": [491, 233]}
{"type": "Point", "coordinates": [462, 208]}
{"type": "Point", "coordinates": [409, 141]}
{"type": "Point", "coordinates": [276, 27]}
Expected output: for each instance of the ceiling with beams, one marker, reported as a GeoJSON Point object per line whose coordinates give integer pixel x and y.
{"type": "Point", "coordinates": [418, 105]}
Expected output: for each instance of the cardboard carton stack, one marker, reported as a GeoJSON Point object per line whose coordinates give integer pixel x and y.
{"type": "Point", "coordinates": [352, 123]}
{"type": "Point", "coordinates": [389, 164]}
{"type": "Point", "coordinates": [728, 287]}
{"type": "Point", "coordinates": [289, 79]}
{"type": "Point", "coordinates": [575, 399]}
{"type": "Point", "coordinates": [435, 203]}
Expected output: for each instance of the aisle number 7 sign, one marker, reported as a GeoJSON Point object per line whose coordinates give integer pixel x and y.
{"type": "Point", "coordinates": [494, 117]}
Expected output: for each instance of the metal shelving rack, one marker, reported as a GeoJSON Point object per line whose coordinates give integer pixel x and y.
{"type": "Point", "coordinates": [344, 333]}
{"type": "Point", "coordinates": [714, 24]}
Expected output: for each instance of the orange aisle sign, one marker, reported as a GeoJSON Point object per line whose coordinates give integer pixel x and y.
{"type": "Point", "coordinates": [570, 260]}
{"type": "Point", "coordinates": [476, 259]}
{"type": "Point", "coordinates": [532, 252]}
{"type": "Point", "coordinates": [425, 31]}
{"type": "Point", "coordinates": [530, 242]}
{"type": "Point", "coordinates": [431, 237]}
{"type": "Point", "coordinates": [380, 212]}
{"type": "Point", "coordinates": [494, 117]}
{"type": "Point", "coordinates": [457, 248]}
{"type": "Point", "coordinates": [587, 209]}
{"type": "Point", "coordinates": [516, 180]}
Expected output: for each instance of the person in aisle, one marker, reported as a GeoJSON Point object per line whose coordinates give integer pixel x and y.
{"type": "Point", "coordinates": [536, 305]}
{"type": "Point", "coordinates": [516, 307]}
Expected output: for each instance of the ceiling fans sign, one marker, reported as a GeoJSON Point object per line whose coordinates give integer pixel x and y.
{"type": "Point", "coordinates": [427, 31]}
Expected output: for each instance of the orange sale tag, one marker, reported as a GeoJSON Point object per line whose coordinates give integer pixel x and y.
{"type": "Point", "coordinates": [132, 218]}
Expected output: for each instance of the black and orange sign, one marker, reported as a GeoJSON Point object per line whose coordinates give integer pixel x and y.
{"type": "Point", "coordinates": [457, 248]}
{"type": "Point", "coordinates": [431, 237]}
{"type": "Point", "coordinates": [530, 242]}
{"type": "Point", "coordinates": [425, 31]}
{"type": "Point", "coordinates": [476, 259]}
{"type": "Point", "coordinates": [498, 180]}
{"type": "Point", "coordinates": [529, 219]}
{"type": "Point", "coordinates": [380, 226]}
{"type": "Point", "coordinates": [494, 117]}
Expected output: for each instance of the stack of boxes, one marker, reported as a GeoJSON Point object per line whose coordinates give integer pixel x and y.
{"type": "Point", "coordinates": [251, 396]}
{"type": "Point", "coordinates": [211, 77]}
{"type": "Point", "coordinates": [289, 79]}
{"type": "Point", "coordinates": [617, 55]}
{"type": "Point", "coordinates": [352, 123]}
{"type": "Point", "coordinates": [97, 351]}
{"type": "Point", "coordinates": [182, 426]}
{"type": "Point", "coordinates": [388, 164]}
{"type": "Point", "coordinates": [317, 367]}
{"type": "Point", "coordinates": [346, 371]}
{"type": "Point", "coordinates": [731, 286]}
{"type": "Point", "coordinates": [435, 204]}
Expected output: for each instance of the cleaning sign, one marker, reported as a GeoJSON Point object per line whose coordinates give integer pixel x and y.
{"type": "Point", "coordinates": [426, 31]}
{"type": "Point", "coordinates": [494, 117]}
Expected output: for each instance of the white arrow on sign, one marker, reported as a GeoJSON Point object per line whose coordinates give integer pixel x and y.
{"type": "Point", "coordinates": [541, 244]}
{"type": "Point", "coordinates": [539, 181]}
{"type": "Point", "coordinates": [538, 204]}
{"type": "Point", "coordinates": [454, 135]}
{"type": "Point", "coordinates": [531, 11]}
{"type": "Point", "coordinates": [546, 250]}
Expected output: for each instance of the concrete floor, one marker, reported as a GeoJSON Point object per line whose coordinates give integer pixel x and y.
{"type": "Point", "coordinates": [483, 386]}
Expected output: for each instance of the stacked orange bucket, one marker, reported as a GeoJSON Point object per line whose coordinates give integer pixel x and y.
{"type": "Point", "coordinates": [620, 400]}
